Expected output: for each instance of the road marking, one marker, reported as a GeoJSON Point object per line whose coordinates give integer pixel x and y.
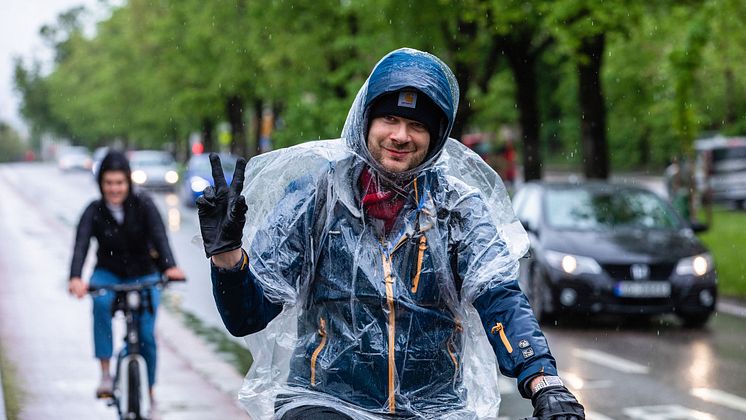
{"type": "Point", "coordinates": [611, 361]}
{"type": "Point", "coordinates": [731, 309]}
{"type": "Point", "coordinates": [720, 397]}
{"type": "Point", "coordinates": [592, 415]}
{"type": "Point", "coordinates": [666, 412]}
{"type": "Point", "coordinates": [574, 381]}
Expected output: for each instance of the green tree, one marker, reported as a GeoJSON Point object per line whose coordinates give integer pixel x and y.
{"type": "Point", "coordinates": [11, 145]}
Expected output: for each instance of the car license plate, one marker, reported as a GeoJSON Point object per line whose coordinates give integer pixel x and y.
{"type": "Point", "coordinates": [643, 289]}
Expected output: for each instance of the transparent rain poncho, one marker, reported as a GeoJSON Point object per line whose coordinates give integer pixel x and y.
{"type": "Point", "coordinates": [376, 324]}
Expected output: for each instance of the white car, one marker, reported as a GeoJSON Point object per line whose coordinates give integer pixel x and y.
{"type": "Point", "coordinates": [74, 158]}
{"type": "Point", "coordinates": [153, 169]}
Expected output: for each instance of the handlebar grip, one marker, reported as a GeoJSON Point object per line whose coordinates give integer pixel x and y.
{"type": "Point", "coordinates": [175, 279]}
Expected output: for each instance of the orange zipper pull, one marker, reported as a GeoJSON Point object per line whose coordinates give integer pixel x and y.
{"type": "Point", "coordinates": [499, 329]}
{"type": "Point", "coordinates": [420, 254]}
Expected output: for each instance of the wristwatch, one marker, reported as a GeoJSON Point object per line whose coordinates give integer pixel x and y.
{"type": "Point", "coordinates": [546, 381]}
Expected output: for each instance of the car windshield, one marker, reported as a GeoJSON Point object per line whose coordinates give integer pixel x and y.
{"type": "Point", "coordinates": [144, 159]}
{"type": "Point", "coordinates": [726, 153]}
{"type": "Point", "coordinates": [201, 164]}
{"type": "Point", "coordinates": [584, 209]}
{"type": "Point", "coordinates": [79, 151]}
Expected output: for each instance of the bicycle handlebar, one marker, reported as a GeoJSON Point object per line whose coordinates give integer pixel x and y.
{"type": "Point", "coordinates": [126, 287]}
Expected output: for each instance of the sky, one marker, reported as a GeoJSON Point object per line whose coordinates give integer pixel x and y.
{"type": "Point", "coordinates": [20, 21]}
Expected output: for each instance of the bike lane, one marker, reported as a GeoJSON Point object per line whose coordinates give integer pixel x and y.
{"type": "Point", "coordinates": [45, 334]}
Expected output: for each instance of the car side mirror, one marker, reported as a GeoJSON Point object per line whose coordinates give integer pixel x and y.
{"type": "Point", "coordinates": [699, 227]}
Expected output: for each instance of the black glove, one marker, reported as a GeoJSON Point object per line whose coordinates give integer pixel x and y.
{"type": "Point", "coordinates": [222, 210]}
{"type": "Point", "coordinates": [556, 403]}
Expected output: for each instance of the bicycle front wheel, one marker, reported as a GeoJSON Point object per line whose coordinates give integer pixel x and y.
{"type": "Point", "coordinates": [133, 391]}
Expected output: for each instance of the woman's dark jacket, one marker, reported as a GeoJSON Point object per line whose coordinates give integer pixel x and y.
{"type": "Point", "coordinates": [137, 247]}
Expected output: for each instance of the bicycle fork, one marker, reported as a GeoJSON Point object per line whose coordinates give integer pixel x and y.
{"type": "Point", "coordinates": [133, 390]}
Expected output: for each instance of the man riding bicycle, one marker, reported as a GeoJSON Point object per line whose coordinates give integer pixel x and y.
{"type": "Point", "coordinates": [132, 247]}
{"type": "Point", "coordinates": [375, 265]}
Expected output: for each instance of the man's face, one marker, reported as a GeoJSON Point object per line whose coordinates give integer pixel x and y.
{"type": "Point", "coordinates": [115, 187]}
{"type": "Point", "coordinates": [398, 143]}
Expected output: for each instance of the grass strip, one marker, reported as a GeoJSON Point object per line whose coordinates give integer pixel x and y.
{"type": "Point", "coordinates": [228, 349]}
{"type": "Point", "coordinates": [12, 393]}
{"type": "Point", "coordinates": [726, 239]}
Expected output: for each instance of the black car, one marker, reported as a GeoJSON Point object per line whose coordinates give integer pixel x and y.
{"type": "Point", "coordinates": [605, 248]}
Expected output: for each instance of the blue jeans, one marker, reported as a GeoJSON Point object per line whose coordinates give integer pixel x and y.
{"type": "Point", "coordinates": [102, 335]}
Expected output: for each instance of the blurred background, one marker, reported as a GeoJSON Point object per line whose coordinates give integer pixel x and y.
{"type": "Point", "coordinates": [635, 92]}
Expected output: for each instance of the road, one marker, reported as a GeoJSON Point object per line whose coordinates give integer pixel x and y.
{"type": "Point", "coordinates": [656, 371]}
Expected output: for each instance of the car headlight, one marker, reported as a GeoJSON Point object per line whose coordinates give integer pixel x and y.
{"type": "Point", "coordinates": [696, 265]}
{"type": "Point", "coordinates": [171, 177]}
{"type": "Point", "coordinates": [139, 177]}
{"type": "Point", "coordinates": [198, 183]}
{"type": "Point", "coordinates": [572, 264]}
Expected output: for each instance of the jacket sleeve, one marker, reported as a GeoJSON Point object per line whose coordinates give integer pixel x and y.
{"type": "Point", "coordinates": [490, 283]}
{"type": "Point", "coordinates": [82, 241]}
{"type": "Point", "coordinates": [253, 293]}
{"type": "Point", "coordinates": [240, 300]}
{"type": "Point", "coordinates": [157, 234]}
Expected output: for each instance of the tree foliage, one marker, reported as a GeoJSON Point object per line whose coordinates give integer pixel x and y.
{"type": "Point", "coordinates": [599, 84]}
{"type": "Point", "coordinates": [11, 145]}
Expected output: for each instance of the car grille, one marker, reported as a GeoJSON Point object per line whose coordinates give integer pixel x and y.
{"type": "Point", "coordinates": [623, 272]}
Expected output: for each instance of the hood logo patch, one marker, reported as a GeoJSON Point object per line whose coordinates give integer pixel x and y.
{"type": "Point", "coordinates": [408, 99]}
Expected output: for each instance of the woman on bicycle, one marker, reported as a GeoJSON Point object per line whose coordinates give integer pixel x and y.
{"type": "Point", "coordinates": [132, 247]}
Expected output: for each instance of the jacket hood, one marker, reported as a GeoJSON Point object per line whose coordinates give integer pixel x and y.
{"type": "Point", "coordinates": [114, 161]}
{"type": "Point", "coordinates": [403, 68]}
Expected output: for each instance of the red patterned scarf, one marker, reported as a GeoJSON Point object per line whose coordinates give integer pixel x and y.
{"type": "Point", "coordinates": [379, 202]}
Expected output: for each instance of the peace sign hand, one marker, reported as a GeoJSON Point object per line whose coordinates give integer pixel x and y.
{"type": "Point", "coordinates": [222, 210]}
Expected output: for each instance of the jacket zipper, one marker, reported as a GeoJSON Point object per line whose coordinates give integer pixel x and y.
{"type": "Point", "coordinates": [315, 355]}
{"type": "Point", "coordinates": [392, 328]}
{"type": "Point", "coordinates": [420, 254]}
{"type": "Point", "coordinates": [452, 351]}
{"type": "Point", "coordinates": [499, 328]}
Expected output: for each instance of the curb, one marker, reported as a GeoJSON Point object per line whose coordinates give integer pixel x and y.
{"type": "Point", "coordinates": [732, 307]}
{"type": "Point", "coordinates": [198, 354]}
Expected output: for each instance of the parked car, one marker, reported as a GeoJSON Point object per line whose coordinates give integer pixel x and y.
{"type": "Point", "coordinates": [153, 169]}
{"type": "Point", "coordinates": [74, 158]}
{"type": "Point", "coordinates": [198, 175]}
{"type": "Point", "coordinates": [606, 248]}
{"type": "Point", "coordinates": [721, 169]}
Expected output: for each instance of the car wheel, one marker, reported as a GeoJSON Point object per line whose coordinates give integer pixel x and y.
{"type": "Point", "coordinates": [695, 320]}
{"type": "Point", "coordinates": [540, 295]}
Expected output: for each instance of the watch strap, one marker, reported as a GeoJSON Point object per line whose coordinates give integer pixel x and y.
{"type": "Point", "coordinates": [546, 381]}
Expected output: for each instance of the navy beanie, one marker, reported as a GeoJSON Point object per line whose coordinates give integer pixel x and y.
{"type": "Point", "coordinates": [411, 104]}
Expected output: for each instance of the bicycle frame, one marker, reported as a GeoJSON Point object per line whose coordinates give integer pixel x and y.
{"type": "Point", "coordinates": [131, 391]}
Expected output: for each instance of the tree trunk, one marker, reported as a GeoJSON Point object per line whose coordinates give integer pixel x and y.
{"type": "Point", "coordinates": [464, 70]}
{"type": "Point", "coordinates": [523, 66]}
{"type": "Point", "coordinates": [592, 109]}
{"type": "Point", "coordinates": [208, 138]}
{"type": "Point", "coordinates": [463, 114]}
{"type": "Point", "coordinates": [731, 97]}
{"type": "Point", "coordinates": [258, 110]}
{"type": "Point", "coordinates": [644, 146]}
{"type": "Point", "coordinates": [238, 127]}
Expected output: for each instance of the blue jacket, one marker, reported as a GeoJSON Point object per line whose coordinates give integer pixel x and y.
{"type": "Point", "coordinates": [381, 318]}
